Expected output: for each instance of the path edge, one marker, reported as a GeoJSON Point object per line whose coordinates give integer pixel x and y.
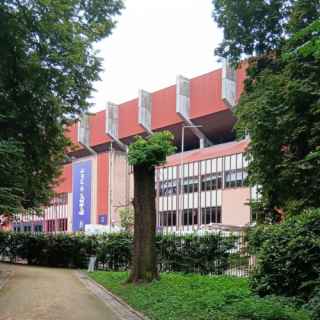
{"type": "Point", "coordinates": [85, 279]}
{"type": "Point", "coordinates": [4, 281]}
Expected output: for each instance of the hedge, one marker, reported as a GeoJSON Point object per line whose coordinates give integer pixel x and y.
{"type": "Point", "coordinates": [289, 259]}
{"type": "Point", "coordinates": [210, 253]}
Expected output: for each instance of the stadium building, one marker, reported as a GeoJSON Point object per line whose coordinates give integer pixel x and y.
{"type": "Point", "coordinates": [199, 187]}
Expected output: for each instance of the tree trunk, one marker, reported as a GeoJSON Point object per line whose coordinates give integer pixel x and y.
{"type": "Point", "coordinates": [144, 259]}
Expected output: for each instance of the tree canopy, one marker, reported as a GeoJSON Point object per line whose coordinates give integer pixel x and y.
{"type": "Point", "coordinates": [260, 26]}
{"type": "Point", "coordinates": [151, 151]}
{"type": "Point", "coordinates": [47, 67]}
{"type": "Point", "coordinates": [280, 105]}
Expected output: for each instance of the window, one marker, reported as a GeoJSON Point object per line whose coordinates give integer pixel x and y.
{"type": "Point", "coordinates": [211, 215]}
{"type": "Point", "coordinates": [168, 218]}
{"type": "Point", "coordinates": [190, 184]}
{"type": "Point", "coordinates": [38, 228]}
{"type": "Point", "coordinates": [235, 172]}
{"type": "Point", "coordinates": [51, 226]}
{"type": "Point", "coordinates": [57, 225]}
{"type": "Point", "coordinates": [235, 178]}
{"type": "Point", "coordinates": [168, 188]}
{"type": "Point", "coordinates": [59, 199]}
{"type": "Point", "coordinates": [190, 217]}
{"type": "Point", "coordinates": [27, 228]}
{"type": "Point", "coordinates": [211, 181]}
{"type": "Point", "coordinates": [253, 214]}
{"type": "Point", "coordinates": [62, 225]}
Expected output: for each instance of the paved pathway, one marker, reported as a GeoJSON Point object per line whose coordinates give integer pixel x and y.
{"type": "Point", "coordinates": [35, 293]}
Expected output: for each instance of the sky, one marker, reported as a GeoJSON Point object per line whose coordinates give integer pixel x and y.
{"type": "Point", "coordinates": [153, 42]}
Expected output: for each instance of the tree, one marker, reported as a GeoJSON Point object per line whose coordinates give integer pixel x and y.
{"type": "Point", "coordinates": [47, 66]}
{"type": "Point", "coordinates": [260, 26]}
{"type": "Point", "coordinates": [144, 155]}
{"type": "Point", "coordinates": [281, 111]}
{"type": "Point", "coordinates": [280, 104]}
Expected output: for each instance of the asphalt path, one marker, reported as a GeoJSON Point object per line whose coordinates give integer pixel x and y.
{"type": "Point", "coordinates": [35, 293]}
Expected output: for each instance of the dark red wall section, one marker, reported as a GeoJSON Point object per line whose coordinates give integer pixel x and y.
{"type": "Point", "coordinates": [65, 180]}
{"type": "Point", "coordinates": [164, 108]}
{"type": "Point", "coordinates": [98, 129]}
{"type": "Point", "coordinates": [103, 181]}
{"type": "Point", "coordinates": [205, 94]}
{"type": "Point", "coordinates": [72, 132]}
{"type": "Point", "coordinates": [128, 119]}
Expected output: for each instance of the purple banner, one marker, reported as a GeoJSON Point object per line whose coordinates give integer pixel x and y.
{"type": "Point", "coordinates": [81, 177]}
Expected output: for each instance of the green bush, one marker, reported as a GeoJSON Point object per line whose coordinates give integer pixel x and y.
{"type": "Point", "coordinates": [289, 257]}
{"type": "Point", "coordinates": [211, 253]}
{"type": "Point", "coordinates": [59, 250]}
{"type": "Point", "coordinates": [193, 253]}
{"type": "Point", "coordinates": [313, 305]}
{"type": "Point", "coordinates": [114, 251]}
{"type": "Point", "coordinates": [257, 236]}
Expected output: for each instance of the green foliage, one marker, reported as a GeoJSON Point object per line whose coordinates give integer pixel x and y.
{"type": "Point", "coordinates": [47, 67]}
{"type": "Point", "coordinates": [205, 254]}
{"type": "Point", "coordinates": [280, 106]}
{"type": "Point", "coordinates": [313, 305]}
{"type": "Point", "coordinates": [11, 169]}
{"type": "Point", "coordinates": [306, 41]}
{"type": "Point", "coordinates": [151, 151]}
{"type": "Point", "coordinates": [281, 111]}
{"type": "Point", "coordinates": [127, 218]}
{"type": "Point", "coordinates": [114, 251]}
{"type": "Point", "coordinates": [289, 257]}
{"type": "Point", "coordinates": [60, 250]}
{"type": "Point", "coordinates": [258, 27]}
{"type": "Point", "coordinates": [186, 253]}
{"type": "Point", "coordinates": [198, 297]}
{"type": "Point", "coordinates": [257, 236]}
{"type": "Point", "coordinates": [246, 24]}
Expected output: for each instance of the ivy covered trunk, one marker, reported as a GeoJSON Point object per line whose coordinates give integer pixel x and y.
{"type": "Point", "coordinates": [144, 261]}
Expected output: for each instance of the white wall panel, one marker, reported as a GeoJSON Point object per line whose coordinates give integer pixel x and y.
{"type": "Point", "coordinates": [227, 163]}
{"type": "Point", "coordinates": [239, 161]}
{"type": "Point", "coordinates": [196, 168]}
{"type": "Point", "coordinates": [203, 167]}
{"type": "Point", "coordinates": [214, 165]}
{"type": "Point", "coordinates": [219, 198]}
{"type": "Point", "coordinates": [174, 173]}
{"type": "Point", "coordinates": [233, 163]}
{"type": "Point", "coordinates": [161, 204]}
{"type": "Point", "coordinates": [219, 164]}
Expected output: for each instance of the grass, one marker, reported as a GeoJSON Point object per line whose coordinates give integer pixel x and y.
{"type": "Point", "coordinates": [185, 297]}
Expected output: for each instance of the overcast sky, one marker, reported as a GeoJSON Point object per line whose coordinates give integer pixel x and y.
{"type": "Point", "coordinates": [154, 41]}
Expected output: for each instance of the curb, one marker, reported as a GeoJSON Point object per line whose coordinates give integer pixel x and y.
{"type": "Point", "coordinates": [5, 279]}
{"type": "Point", "coordinates": [116, 304]}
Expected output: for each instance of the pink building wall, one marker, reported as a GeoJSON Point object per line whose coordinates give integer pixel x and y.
{"type": "Point", "coordinates": [235, 208]}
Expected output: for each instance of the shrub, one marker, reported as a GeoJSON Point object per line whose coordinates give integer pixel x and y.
{"type": "Point", "coordinates": [257, 236]}
{"type": "Point", "coordinates": [289, 258]}
{"type": "Point", "coordinates": [313, 305]}
{"type": "Point", "coordinates": [114, 251]}
{"type": "Point", "coordinates": [193, 253]}
{"type": "Point", "coordinates": [211, 253]}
